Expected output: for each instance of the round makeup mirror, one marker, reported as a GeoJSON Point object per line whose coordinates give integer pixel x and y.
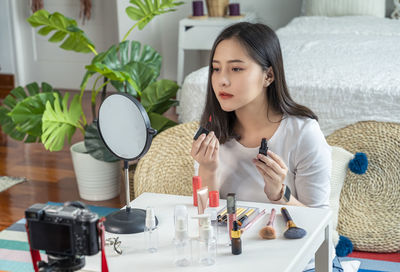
{"type": "Point", "coordinates": [125, 129]}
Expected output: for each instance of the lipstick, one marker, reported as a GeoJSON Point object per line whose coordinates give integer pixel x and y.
{"type": "Point", "coordinates": [202, 130]}
{"type": "Point", "coordinates": [231, 207]}
{"type": "Point", "coordinates": [263, 148]}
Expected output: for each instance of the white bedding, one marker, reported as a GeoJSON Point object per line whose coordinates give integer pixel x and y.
{"type": "Point", "coordinates": [346, 69]}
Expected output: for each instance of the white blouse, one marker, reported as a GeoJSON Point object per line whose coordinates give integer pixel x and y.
{"type": "Point", "coordinates": [300, 143]}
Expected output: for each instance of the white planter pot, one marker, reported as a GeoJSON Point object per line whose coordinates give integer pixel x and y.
{"type": "Point", "coordinates": [97, 180]}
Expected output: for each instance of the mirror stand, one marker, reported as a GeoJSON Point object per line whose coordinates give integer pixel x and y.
{"type": "Point", "coordinates": [125, 129]}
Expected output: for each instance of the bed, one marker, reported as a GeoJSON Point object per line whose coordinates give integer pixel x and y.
{"type": "Point", "coordinates": [346, 69]}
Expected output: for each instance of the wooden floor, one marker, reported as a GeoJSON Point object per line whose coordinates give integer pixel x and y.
{"type": "Point", "coordinates": [50, 177]}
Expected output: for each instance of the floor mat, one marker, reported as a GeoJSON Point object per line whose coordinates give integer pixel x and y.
{"type": "Point", "coordinates": [7, 182]}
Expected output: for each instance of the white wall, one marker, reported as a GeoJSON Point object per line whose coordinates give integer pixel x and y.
{"type": "Point", "coordinates": [6, 40]}
{"type": "Point", "coordinates": [39, 60]}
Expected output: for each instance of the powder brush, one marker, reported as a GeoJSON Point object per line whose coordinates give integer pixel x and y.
{"type": "Point", "coordinates": [268, 232]}
{"type": "Point", "coordinates": [293, 232]}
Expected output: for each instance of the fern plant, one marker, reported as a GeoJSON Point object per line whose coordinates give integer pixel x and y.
{"type": "Point", "coordinates": [43, 114]}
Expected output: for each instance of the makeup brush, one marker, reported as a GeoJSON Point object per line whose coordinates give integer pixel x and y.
{"type": "Point", "coordinates": [293, 232]}
{"type": "Point", "coordinates": [268, 232]}
{"type": "Point", "coordinates": [252, 222]}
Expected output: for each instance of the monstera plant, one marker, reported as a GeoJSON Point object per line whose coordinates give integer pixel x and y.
{"type": "Point", "coordinates": [41, 114]}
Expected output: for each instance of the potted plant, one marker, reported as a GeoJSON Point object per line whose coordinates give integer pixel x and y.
{"type": "Point", "coordinates": [42, 114]}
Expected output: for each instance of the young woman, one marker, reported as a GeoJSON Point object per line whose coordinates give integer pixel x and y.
{"type": "Point", "coordinates": [248, 99]}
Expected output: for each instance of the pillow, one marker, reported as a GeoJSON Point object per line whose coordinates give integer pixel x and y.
{"type": "Point", "coordinates": [192, 96]}
{"type": "Point", "coordinates": [340, 162]}
{"type": "Point", "coordinates": [344, 7]}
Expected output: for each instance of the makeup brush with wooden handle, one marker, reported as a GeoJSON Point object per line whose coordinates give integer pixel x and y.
{"type": "Point", "coordinates": [293, 232]}
{"type": "Point", "coordinates": [268, 232]}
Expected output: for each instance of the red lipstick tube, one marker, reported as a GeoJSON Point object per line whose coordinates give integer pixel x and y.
{"type": "Point", "coordinates": [196, 183]}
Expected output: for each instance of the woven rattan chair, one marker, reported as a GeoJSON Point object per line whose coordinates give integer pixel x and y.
{"type": "Point", "coordinates": [369, 212]}
{"type": "Point", "coordinates": [167, 167]}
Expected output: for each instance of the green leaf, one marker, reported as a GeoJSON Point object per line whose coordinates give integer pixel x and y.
{"type": "Point", "coordinates": [160, 122]}
{"type": "Point", "coordinates": [145, 10]}
{"type": "Point", "coordinates": [154, 96]}
{"type": "Point", "coordinates": [123, 87]}
{"type": "Point", "coordinates": [107, 72]}
{"type": "Point", "coordinates": [27, 114]}
{"type": "Point", "coordinates": [8, 126]}
{"type": "Point", "coordinates": [127, 65]}
{"type": "Point", "coordinates": [141, 74]}
{"type": "Point", "coordinates": [59, 122]}
{"type": "Point", "coordinates": [33, 88]}
{"type": "Point", "coordinates": [20, 112]}
{"type": "Point", "coordinates": [164, 106]}
{"type": "Point", "coordinates": [95, 146]}
{"type": "Point", "coordinates": [64, 27]}
{"type": "Point", "coordinates": [58, 36]}
{"type": "Point", "coordinates": [134, 13]}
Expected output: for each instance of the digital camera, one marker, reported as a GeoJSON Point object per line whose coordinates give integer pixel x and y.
{"type": "Point", "coordinates": [62, 230]}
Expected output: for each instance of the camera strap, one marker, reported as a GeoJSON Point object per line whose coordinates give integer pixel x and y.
{"type": "Point", "coordinates": [35, 254]}
{"type": "Point", "coordinates": [101, 229]}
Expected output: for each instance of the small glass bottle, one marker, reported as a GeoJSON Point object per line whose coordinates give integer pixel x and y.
{"type": "Point", "coordinates": [181, 240]}
{"type": "Point", "coordinates": [151, 231]}
{"type": "Point", "coordinates": [212, 212]}
{"type": "Point", "coordinates": [207, 242]}
{"type": "Point", "coordinates": [236, 241]}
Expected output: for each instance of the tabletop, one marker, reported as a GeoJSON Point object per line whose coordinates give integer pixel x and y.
{"type": "Point", "coordinates": [279, 254]}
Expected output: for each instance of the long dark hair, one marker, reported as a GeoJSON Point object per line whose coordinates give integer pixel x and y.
{"type": "Point", "coordinates": [263, 46]}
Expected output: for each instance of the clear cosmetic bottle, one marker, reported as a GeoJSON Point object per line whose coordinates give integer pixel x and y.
{"type": "Point", "coordinates": [207, 253]}
{"type": "Point", "coordinates": [181, 240]}
{"type": "Point", "coordinates": [151, 231]}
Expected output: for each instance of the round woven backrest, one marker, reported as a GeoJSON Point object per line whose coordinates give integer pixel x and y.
{"type": "Point", "coordinates": [167, 167]}
{"type": "Point", "coordinates": [369, 213]}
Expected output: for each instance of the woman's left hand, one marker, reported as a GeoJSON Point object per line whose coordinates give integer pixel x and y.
{"type": "Point", "coordinates": [273, 170]}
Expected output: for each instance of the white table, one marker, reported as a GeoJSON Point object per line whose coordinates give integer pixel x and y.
{"type": "Point", "coordinates": [196, 34]}
{"type": "Point", "coordinates": [258, 255]}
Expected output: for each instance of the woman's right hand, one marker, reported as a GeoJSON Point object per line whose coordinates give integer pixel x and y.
{"type": "Point", "coordinates": [205, 151]}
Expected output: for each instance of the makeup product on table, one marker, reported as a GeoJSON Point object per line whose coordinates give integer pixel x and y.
{"type": "Point", "coordinates": [240, 212]}
{"type": "Point", "coordinates": [231, 207]}
{"type": "Point", "coordinates": [214, 199]}
{"type": "Point", "coordinates": [181, 240]}
{"type": "Point", "coordinates": [236, 242]}
{"type": "Point", "coordinates": [253, 221]}
{"type": "Point", "coordinates": [243, 219]}
{"type": "Point", "coordinates": [196, 184]}
{"type": "Point", "coordinates": [263, 148]}
{"type": "Point", "coordinates": [202, 199]}
{"type": "Point", "coordinates": [221, 215]}
{"type": "Point", "coordinates": [151, 231]}
{"type": "Point", "coordinates": [202, 130]}
{"type": "Point", "coordinates": [207, 244]}
{"type": "Point", "coordinates": [268, 232]}
{"type": "Point", "coordinates": [293, 232]}
{"type": "Point", "coordinates": [212, 210]}
{"type": "Point", "coordinates": [213, 218]}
